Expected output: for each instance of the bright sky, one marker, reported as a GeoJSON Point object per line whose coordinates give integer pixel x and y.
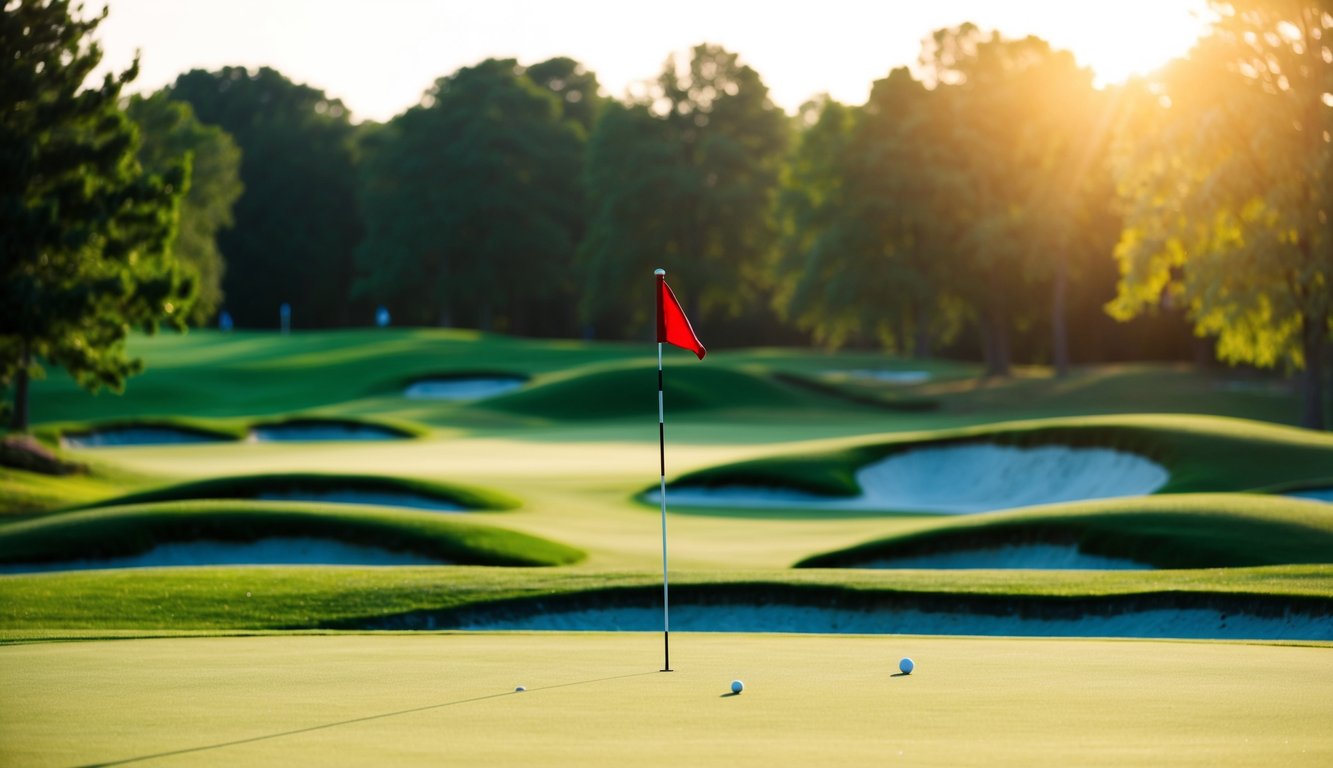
{"type": "Point", "coordinates": [379, 56]}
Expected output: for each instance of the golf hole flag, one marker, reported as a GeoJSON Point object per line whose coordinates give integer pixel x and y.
{"type": "Point", "coordinates": [672, 325]}
{"type": "Point", "coordinates": [672, 328]}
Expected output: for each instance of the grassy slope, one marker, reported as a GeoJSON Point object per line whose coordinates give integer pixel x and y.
{"type": "Point", "coordinates": [211, 375]}
{"type": "Point", "coordinates": [130, 530]}
{"type": "Point", "coordinates": [1201, 453]}
{"type": "Point", "coordinates": [1183, 531]}
{"type": "Point", "coordinates": [598, 700]}
{"type": "Point", "coordinates": [249, 486]}
{"type": "Point", "coordinates": [288, 597]}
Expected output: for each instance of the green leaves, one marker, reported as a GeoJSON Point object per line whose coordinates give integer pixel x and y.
{"type": "Point", "coordinates": [1223, 164]}
{"type": "Point", "coordinates": [473, 200]}
{"type": "Point", "coordinates": [83, 250]}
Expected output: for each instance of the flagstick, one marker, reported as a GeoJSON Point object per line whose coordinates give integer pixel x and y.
{"type": "Point", "coordinates": [661, 450]}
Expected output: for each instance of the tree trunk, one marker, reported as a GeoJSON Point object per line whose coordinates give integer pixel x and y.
{"type": "Point", "coordinates": [19, 419]}
{"type": "Point", "coordinates": [1313, 338]}
{"type": "Point", "coordinates": [987, 344]}
{"type": "Point", "coordinates": [446, 318]}
{"type": "Point", "coordinates": [921, 348]}
{"type": "Point", "coordinates": [997, 341]}
{"type": "Point", "coordinates": [1059, 329]}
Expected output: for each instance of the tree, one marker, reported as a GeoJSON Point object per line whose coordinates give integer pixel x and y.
{"type": "Point", "coordinates": [1020, 119]}
{"type": "Point", "coordinates": [474, 205]}
{"type": "Point", "coordinates": [1223, 164]}
{"type": "Point", "coordinates": [170, 134]}
{"type": "Point", "coordinates": [576, 88]}
{"type": "Point", "coordinates": [711, 143]}
{"type": "Point", "coordinates": [83, 231]}
{"type": "Point", "coordinates": [869, 218]}
{"type": "Point", "coordinates": [298, 221]}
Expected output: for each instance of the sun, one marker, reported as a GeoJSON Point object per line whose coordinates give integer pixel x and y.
{"type": "Point", "coordinates": [1141, 44]}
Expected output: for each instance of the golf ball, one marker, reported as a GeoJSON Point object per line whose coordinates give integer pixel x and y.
{"type": "Point", "coordinates": [520, 689]}
{"type": "Point", "coordinates": [906, 665]}
{"type": "Point", "coordinates": [737, 686]}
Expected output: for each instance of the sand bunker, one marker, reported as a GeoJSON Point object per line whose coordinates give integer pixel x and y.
{"type": "Point", "coordinates": [1318, 494]}
{"type": "Point", "coordinates": [271, 551]}
{"type": "Point", "coordinates": [318, 432]}
{"type": "Point", "coordinates": [1030, 556]}
{"type": "Point", "coordinates": [1201, 623]}
{"type": "Point", "coordinates": [379, 498]}
{"type": "Point", "coordinates": [959, 479]}
{"type": "Point", "coordinates": [891, 377]}
{"type": "Point", "coordinates": [470, 388]}
{"type": "Point", "coordinates": [107, 438]}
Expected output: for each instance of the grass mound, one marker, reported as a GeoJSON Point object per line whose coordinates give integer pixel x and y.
{"type": "Point", "coordinates": [134, 529]}
{"type": "Point", "coordinates": [302, 428]}
{"type": "Point", "coordinates": [314, 597]}
{"type": "Point", "coordinates": [619, 392]}
{"type": "Point", "coordinates": [254, 486]}
{"type": "Point", "coordinates": [1185, 531]}
{"type": "Point", "coordinates": [1201, 453]}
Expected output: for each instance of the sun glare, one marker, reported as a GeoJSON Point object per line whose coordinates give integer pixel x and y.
{"type": "Point", "coordinates": [1144, 43]}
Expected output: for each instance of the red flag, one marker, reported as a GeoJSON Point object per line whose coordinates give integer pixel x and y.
{"type": "Point", "coordinates": [672, 325]}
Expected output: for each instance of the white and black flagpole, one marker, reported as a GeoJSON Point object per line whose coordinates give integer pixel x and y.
{"type": "Point", "coordinates": [661, 452]}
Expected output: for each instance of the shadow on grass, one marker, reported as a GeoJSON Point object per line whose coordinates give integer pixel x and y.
{"type": "Point", "coordinates": [353, 721]}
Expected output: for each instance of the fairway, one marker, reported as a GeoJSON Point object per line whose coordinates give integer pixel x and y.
{"type": "Point", "coordinates": [599, 700]}
{"type": "Point", "coordinates": [535, 503]}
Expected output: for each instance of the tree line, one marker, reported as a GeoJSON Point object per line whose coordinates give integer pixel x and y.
{"type": "Point", "coordinates": [994, 204]}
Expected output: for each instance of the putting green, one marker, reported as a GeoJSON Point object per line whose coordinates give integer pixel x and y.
{"type": "Point", "coordinates": [598, 699]}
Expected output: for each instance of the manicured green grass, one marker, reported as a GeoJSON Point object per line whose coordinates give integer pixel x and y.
{"type": "Point", "coordinates": [314, 597]}
{"type": "Point", "coordinates": [619, 392]}
{"type": "Point", "coordinates": [1183, 531]}
{"type": "Point", "coordinates": [251, 486]}
{"type": "Point", "coordinates": [598, 700]}
{"type": "Point", "coordinates": [130, 530]}
{"type": "Point", "coordinates": [1201, 453]}
{"type": "Point", "coordinates": [209, 375]}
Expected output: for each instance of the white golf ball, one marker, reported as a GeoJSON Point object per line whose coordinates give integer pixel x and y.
{"type": "Point", "coordinates": [906, 665]}
{"type": "Point", "coordinates": [520, 689]}
{"type": "Point", "coordinates": [737, 686]}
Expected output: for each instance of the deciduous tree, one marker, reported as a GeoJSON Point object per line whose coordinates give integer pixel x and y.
{"type": "Point", "coordinates": [171, 135]}
{"type": "Point", "coordinates": [1223, 165]}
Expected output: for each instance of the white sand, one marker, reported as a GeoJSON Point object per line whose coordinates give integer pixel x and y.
{"type": "Point", "coordinates": [135, 436]}
{"type": "Point", "coordinates": [1029, 556]}
{"type": "Point", "coordinates": [1318, 494]}
{"type": "Point", "coordinates": [473, 388]}
{"type": "Point", "coordinates": [890, 377]}
{"type": "Point", "coordinates": [271, 551]}
{"type": "Point", "coordinates": [319, 433]}
{"type": "Point", "coordinates": [385, 499]}
{"type": "Point", "coordinates": [1192, 623]}
{"type": "Point", "coordinates": [959, 479]}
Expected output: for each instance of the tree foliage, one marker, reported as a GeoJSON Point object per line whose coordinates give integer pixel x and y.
{"type": "Point", "coordinates": [869, 219]}
{"type": "Point", "coordinates": [84, 233]}
{"type": "Point", "coordinates": [473, 204]}
{"type": "Point", "coordinates": [298, 221]}
{"type": "Point", "coordinates": [706, 144]}
{"type": "Point", "coordinates": [1223, 166]}
{"type": "Point", "coordinates": [171, 135]}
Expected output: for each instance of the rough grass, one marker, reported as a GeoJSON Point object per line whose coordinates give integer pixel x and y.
{"type": "Point", "coordinates": [312, 597]}
{"type": "Point", "coordinates": [1184, 531]}
{"type": "Point", "coordinates": [250, 486]}
{"type": "Point", "coordinates": [131, 530]}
